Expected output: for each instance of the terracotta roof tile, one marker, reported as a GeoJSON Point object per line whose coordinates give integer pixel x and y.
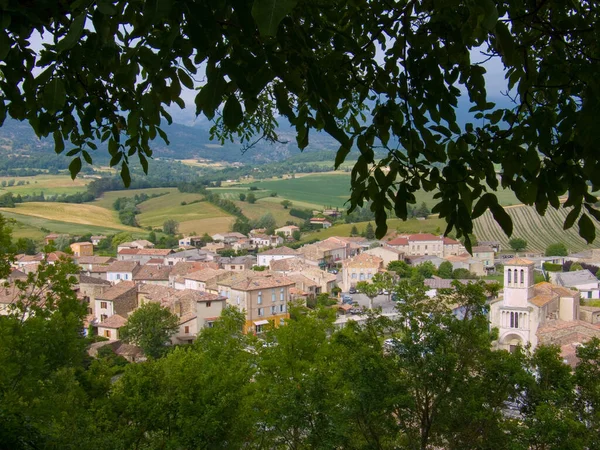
{"type": "Point", "coordinates": [114, 321]}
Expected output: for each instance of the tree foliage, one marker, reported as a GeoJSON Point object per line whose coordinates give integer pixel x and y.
{"type": "Point", "coordinates": [170, 227]}
{"type": "Point", "coordinates": [150, 327]}
{"type": "Point", "coordinates": [517, 244]}
{"type": "Point", "coordinates": [558, 249]}
{"type": "Point", "coordinates": [111, 70]}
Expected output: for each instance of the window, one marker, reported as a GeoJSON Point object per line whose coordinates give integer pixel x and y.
{"type": "Point", "coordinates": [103, 317]}
{"type": "Point", "coordinates": [238, 300]}
{"type": "Point", "coordinates": [126, 276]}
{"type": "Point", "coordinates": [522, 276]}
{"type": "Point", "coordinates": [273, 309]}
{"type": "Point", "coordinates": [89, 310]}
{"type": "Point", "coordinates": [354, 276]}
{"type": "Point", "coordinates": [361, 277]}
{"type": "Point", "coordinates": [259, 297]}
{"type": "Point", "coordinates": [208, 304]}
{"type": "Point", "coordinates": [509, 272]}
{"type": "Point", "coordinates": [107, 333]}
{"type": "Point", "coordinates": [281, 308]}
{"type": "Point", "coordinates": [589, 294]}
{"type": "Point", "coordinates": [425, 247]}
{"type": "Point", "coordinates": [118, 276]}
{"type": "Point", "coordinates": [514, 320]}
{"type": "Point", "coordinates": [241, 267]}
{"type": "Point", "coordinates": [103, 305]}
{"type": "Point", "coordinates": [186, 330]}
{"type": "Point", "coordinates": [369, 276]}
{"type": "Point", "coordinates": [261, 312]}
{"type": "Point", "coordinates": [272, 295]}
{"type": "Point", "coordinates": [281, 294]}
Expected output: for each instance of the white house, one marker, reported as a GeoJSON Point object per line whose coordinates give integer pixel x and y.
{"type": "Point", "coordinates": [275, 254]}
{"type": "Point", "coordinates": [122, 271]}
{"type": "Point", "coordinates": [582, 280]}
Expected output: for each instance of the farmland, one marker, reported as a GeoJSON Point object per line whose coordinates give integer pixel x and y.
{"type": "Point", "coordinates": [200, 217]}
{"type": "Point", "coordinates": [48, 184]}
{"type": "Point", "coordinates": [539, 232]}
{"type": "Point", "coordinates": [76, 214]}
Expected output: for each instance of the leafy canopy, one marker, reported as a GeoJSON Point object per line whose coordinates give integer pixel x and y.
{"type": "Point", "coordinates": [370, 74]}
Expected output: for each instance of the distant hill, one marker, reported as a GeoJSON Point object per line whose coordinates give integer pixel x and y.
{"type": "Point", "coordinates": [17, 139]}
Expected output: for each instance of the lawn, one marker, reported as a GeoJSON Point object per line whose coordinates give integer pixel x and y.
{"type": "Point", "coordinates": [268, 205]}
{"type": "Point", "coordinates": [48, 184]}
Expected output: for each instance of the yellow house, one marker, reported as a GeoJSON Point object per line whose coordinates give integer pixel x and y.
{"type": "Point", "coordinates": [82, 249]}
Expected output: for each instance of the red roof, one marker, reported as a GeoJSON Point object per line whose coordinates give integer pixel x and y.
{"type": "Point", "coordinates": [424, 237]}
{"type": "Point", "coordinates": [398, 241]}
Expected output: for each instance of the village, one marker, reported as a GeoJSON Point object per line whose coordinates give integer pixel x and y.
{"type": "Point", "coordinates": [196, 283]}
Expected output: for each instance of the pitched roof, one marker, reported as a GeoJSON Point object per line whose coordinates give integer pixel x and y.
{"type": "Point", "coordinates": [424, 237]}
{"type": "Point", "coordinates": [280, 251]}
{"type": "Point", "coordinates": [114, 321]}
{"type": "Point", "coordinates": [518, 262]}
{"type": "Point", "coordinates": [185, 267]}
{"type": "Point", "coordinates": [482, 249]}
{"type": "Point", "coordinates": [204, 275]}
{"type": "Point", "coordinates": [152, 272]}
{"type": "Point", "coordinates": [572, 279]}
{"type": "Point", "coordinates": [84, 279]}
{"type": "Point", "coordinates": [283, 265]}
{"type": "Point", "coordinates": [123, 266]}
{"type": "Point", "coordinates": [364, 260]}
{"type": "Point", "coordinates": [265, 282]}
{"type": "Point", "coordinates": [95, 260]}
{"type": "Point", "coordinates": [544, 288]}
{"type": "Point", "coordinates": [116, 291]}
{"type": "Point", "coordinates": [397, 242]}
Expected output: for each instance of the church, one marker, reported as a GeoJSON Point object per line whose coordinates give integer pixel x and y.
{"type": "Point", "coordinates": [529, 314]}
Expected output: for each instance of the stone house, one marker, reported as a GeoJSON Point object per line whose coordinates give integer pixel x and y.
{"type": "Point", "coordinates": [82, 249]}
{"type": "Point", "coordinates": [118, 299]}
{"type": "Point", "coordinates": [360, 268]}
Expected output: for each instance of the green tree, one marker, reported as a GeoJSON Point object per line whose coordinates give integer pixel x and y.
{"type": "Point", "coordinates": [251, 198]}
{"type": "Point", "coordinates": [445, 270]}
{"type": "Point", "coordinates": [265, 221]}
{"type": "Point", "coordinates": [297, 235]}
{"type": "Point", "coordinates": [152, 237]}
{"type": "Point", "coordinates": [369, 231]}
{"type": "Point", "coordinates": [150, 327]}
{"type": "Point", "coordinates": [575, 266]}
{"type": "Point", "coordinates": [170, 227]}
{"type": "Point", "coordinates": [392, 55]}
{"type": "Point", "coordinates": [354, 231]}
{"type": "Point", "coordinates": [242, 196]}
{"type": "Point", "coordinates": [384, 282]}
{"type": "Point", "coordinates": [463, 274]}
{"type": "Point", "coordinates": [286, 204]}
{"type": "Point", "coordinates": [558, 249]}
{"type": "Point", "coordinates": [369, 289]}
{"type": "Point", "coordinates": [119, 238]}
{"type": "Point", "coordinates": [401, 268]}
{"type": "Point", "coordinates": [426, 269]}
{"type": "Point", "coordinates": [25, 245]}
{"type": "Point", "coordinates": [518, 244]}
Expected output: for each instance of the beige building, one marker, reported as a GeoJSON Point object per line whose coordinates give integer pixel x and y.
{"type": "Point", "coordinates": [388, 254]}
{"type": "Point", "coordinates": [264, 300]}
{"type": "Point", "coordinates": [525, 307]}
{"type": "Point", "coordinates": [486, 255]}
{"type": "Point", "coordinates": [82, 249]}
{"type": "Point", "coordinates": [427, 244]}
{"type": "Point", "coordinates": [198, 280]}
{"type": "Point", "coordinates": [288, 230]}
{"type": "Point", "coordinates": [109, 328]}
{"type": "Point", "coordinates": [119, 299]}
{"type": "Point", "coordinates": [360, 268]}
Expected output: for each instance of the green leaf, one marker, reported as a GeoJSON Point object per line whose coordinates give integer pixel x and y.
{"type": "Point", "coordinates": [232, 113]}
{"type": "Point", "coordinates": [483, 204]}
{"type": "Point", "coordinates": [210, 96]}
{"type": "Point", "coordinates": [87, 157]}
{"type": "Point", "coordinates": [505, 43]}
{"type": "Point", "coordinates": [59, 143]}
{"type": "Point", "coordinates": [125, 176]}
{"type": "Point", "coordinates": [4, 44]}
{"type": "Point", "coordinates": [502, 218]}
{"type": "Point", "coordinates": [55, 95]}
{"type": "Point", "coordinates": [75, 167]}
{"type": "Point", "coordinates": [587, 230]}
{"type": "Point", "coordinates": [185, 79]}
{"type": "Point", "coordinates": [143, 162]}
{"type": "Point", "coordinates": [105, 7]}
{"type": "Point", "coordinates": [269, 13]}
{"type": "Point", "coordinates": [571, 217]}
{"type": "Point", "coordinates": [73, 35]}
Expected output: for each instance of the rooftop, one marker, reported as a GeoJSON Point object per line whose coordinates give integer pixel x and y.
{"type": "Point", "coordinates": [114, 321]}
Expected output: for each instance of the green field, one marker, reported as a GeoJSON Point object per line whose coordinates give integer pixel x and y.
{"type": "Point", "coordinates": [411, 226]}
{"type": "Point", "coordinates": [76, 214]}
{"type": "Point", "coordinates": [330, 189]}
{"type": "Point", "coordinates": [48, 184]}
{"type": "Point", "coordinates": [31, 227]}
{"type": "Point", "coordinates": [108, 198]}
{"type": "Point", "coordinates": [200, 217]}
{"type": "Point", "coordinates": [539, 232]}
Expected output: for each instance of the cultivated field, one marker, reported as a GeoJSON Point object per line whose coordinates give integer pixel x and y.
{"type": "Point", "coordinates": [33, 227]}
{"type": "Point", "coordinates": [108, 198]}
{"type": "Point", "coordinates": [539, 232]}
{"type": "Point", "coordinates": [70, 213]}
{"type": "Point", "coordinates": [200, 217]}
{"type": "Point", "coordinates": [48, 184]}
{"type": "Point", "coordinates": [431, 225]}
